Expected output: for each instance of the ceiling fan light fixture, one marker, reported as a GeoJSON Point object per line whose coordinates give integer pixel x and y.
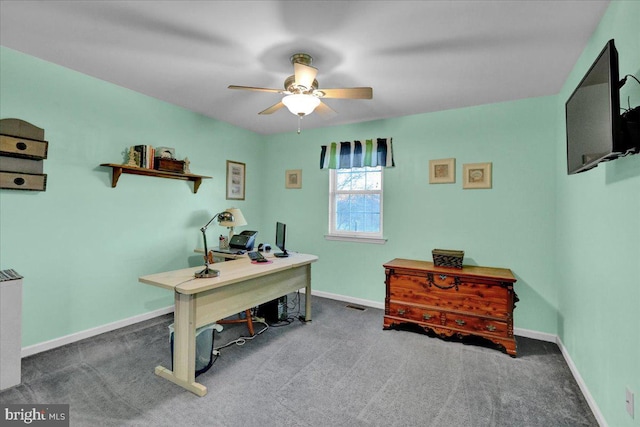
{"type": "Point", "coordinates": [301, 105]}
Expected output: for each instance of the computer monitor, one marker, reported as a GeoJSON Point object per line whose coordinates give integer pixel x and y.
{"type": "Point", "coordinates": [281, 235]}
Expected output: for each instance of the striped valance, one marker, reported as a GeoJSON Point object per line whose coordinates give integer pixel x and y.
{"type": "Point", "coordinates": [357, 154]}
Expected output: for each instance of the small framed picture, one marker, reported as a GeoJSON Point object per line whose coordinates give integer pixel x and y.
{"type": "Point", "coordinates": [476, 175]}
{"type": "Point", "coordinates": [442, 171]}
{"type": "Point", "coordinates": [293, 178]}
{"type": "Point", "coordinates": [235, 180]}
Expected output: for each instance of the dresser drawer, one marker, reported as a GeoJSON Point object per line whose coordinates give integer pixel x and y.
{"type": "Point", "coordinates": [21, 147]}
{"type": "Point", "coordinates": [477, 325]}
{"type": "Point", "coordinates": [414, 313]}
{"type": "Point", "coordinates": [23, 181]}
{"type": "Point", "coordinates": [451, 293]}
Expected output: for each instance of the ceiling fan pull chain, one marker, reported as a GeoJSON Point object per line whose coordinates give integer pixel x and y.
{"type": "Point", "coordinates": [299, 121]}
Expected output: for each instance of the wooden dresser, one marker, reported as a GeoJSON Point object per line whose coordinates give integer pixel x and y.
{"type": "Point", "coordinates": [472, 301]}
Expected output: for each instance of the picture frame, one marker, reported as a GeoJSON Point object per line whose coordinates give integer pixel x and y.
{"type": "Point", "coordinates": [236, 172]}
{"type": "Point", "coordinates": [293, 178]}
{"type": "Point", "coordinates": [442, 171]}
{"type": "Point", "coordinates": [476, 175]}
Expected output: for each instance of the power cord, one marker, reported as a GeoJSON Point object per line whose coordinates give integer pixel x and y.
{"type": "Point", "coordinates": [293, 315]}
{"type": "Point", "coordinates": [622, 83]}
{"type": "Point", "coordinates": [241, 340]}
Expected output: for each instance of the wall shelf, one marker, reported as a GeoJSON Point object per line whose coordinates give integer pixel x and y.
{"type": "Point", "coordinates": [134, 170]}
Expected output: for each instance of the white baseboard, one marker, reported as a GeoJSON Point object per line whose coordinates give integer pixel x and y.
{"type": "Point", "coordinates": [536, 335]}
{"type": "Point", "coordinates": [71, 338]}
{"type": "Point", "coordinates": [337, 297]}
{"type": "Point", "coordinates": [583, 386]}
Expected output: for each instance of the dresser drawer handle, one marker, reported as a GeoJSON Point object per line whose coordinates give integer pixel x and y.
{"type": "Point", "coordinates": [426, 316]}
{"type": "Point", "coordinates": [401, 312]}
{"type": "Point", "coordinates": [456, 281]}
{"type": "Point", "coordinates": [19, 181]}
{"type": "Point", "coordinates": [21, 146]}
{"type": "Point", "coordinates": [460, 322]}
{"type": "Point", "coordinates": [491, 328]}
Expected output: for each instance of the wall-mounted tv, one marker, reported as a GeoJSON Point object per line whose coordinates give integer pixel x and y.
{"type": "Point", "coordinates": [596, 131]}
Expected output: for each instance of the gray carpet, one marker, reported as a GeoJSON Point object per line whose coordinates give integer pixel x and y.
{"type": "Point", "coordinates": [341, 369]}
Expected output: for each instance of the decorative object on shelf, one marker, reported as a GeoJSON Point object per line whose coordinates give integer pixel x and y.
{"type": "Point", "coordinates": [187, 162]}
{"type": "Point", "coordinates": [22, 153]}
{"type": "Point", "coordinates": [132, 159]}
{"type": "Point", "coordinates": [293, 178]}
{"type": "Point", "coordinates": [165, 152]}
{"type": "Point", "coordinates": [442, 171]}
{"type": "Point", "coordinates": [476, 175]}
{"type": "Point", "coordinates": [208, 272]}
{"type": "Point", "coordinates": [237, 219]}
{"type": "Point", "coordinates": [169, 165]}
{"type": "Point", "coordinates": [451, 303]}
{"type": "Point", "coordinates": [135, 170]}
{"type": "Point", "coordinates": [235, 180]}
{"type": "Point", "coordinates": [223, 242]}
{"type": "Point", "coordinates": [447, 258]}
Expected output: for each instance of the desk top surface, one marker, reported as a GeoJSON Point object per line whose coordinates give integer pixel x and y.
{"type": "Point", "coordinates": [184, 282]}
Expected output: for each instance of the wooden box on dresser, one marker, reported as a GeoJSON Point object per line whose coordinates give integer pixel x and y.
{"type": "Point", "coordinates": [471, 301]}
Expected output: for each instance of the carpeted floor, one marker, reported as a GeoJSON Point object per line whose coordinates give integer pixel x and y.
{"type": "Point", "coordinates": [340, 369]}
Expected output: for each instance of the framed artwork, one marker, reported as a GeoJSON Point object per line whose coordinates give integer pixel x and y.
{"type": "Point", "coordinates": [476, 175]}
{"type": "Point", "coordinates": [235, 180]}
{"type": "Point", "coordinates": [442, 171]}
{"type": "Point", "coordinates": [293, 178]}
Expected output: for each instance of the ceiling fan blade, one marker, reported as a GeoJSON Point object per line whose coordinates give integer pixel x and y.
{"type": "Point", "coordinates": [272, 109]}
{"type": "Point", "coordinates": [259, 89]}
{"type": "Point", "coordinates": [304, 74]}
{"type": "Point", "coordinates": [348, 93]}
{"type": "Point", "coordinates": [325, 111]}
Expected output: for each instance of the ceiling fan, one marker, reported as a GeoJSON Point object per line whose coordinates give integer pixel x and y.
{"type": "Point", "coordinates": [302, 96]}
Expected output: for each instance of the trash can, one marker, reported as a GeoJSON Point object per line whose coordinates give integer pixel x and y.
{"type": "Point", "coordinates": [204, 346]}
{"type": "Point", "coordinates": [10, 329]}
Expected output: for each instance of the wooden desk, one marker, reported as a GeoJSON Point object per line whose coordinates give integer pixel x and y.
{"type": "Point", "coordinates": [241, 285]}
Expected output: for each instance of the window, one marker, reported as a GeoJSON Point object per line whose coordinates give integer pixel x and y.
{"type": "Point", "coordinates": [355, 204]}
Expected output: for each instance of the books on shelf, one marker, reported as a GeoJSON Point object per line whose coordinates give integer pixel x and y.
{"type": "Point", "coordinates": [145, 156]}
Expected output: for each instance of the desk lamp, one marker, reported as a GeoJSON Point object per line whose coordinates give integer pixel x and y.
{"type": "Point", "coordinates": [236, 219]}
{"type": "Point", "coordinates": [225, 216]}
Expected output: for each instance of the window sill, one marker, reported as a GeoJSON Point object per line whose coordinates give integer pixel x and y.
{"type": "Point", "coordinates": [358, 239]}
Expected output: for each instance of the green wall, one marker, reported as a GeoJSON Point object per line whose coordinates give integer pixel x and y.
{"type": "Point", "coordinates": [509, 225]}
{"type": "Point", "coordinates": [81, 245]}
{"type": "Point", "coordinates": [598, 242]}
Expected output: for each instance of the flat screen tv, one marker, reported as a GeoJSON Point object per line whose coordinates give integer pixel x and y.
{"type": "Point", "coordinates": [595, 128]}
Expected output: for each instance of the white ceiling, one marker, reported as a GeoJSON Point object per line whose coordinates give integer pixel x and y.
{"type": "Point", "coordinates": [419, 56]}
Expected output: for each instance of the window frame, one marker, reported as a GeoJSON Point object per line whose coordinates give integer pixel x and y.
{"type": "Point", "coordinates": [354, 236]}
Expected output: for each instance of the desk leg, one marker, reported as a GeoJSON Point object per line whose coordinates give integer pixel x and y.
{"type": "Point", "coordinates": [307, 295]}
{"type": "Point", "coordinates": [184, 347]}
